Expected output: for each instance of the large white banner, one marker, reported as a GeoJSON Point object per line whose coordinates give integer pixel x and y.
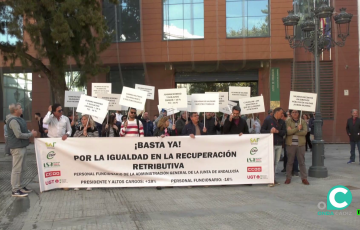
{"type": "Point", "coordinates": [92, 106]}
{"type": "Point", "coordinates": [252, 105]}
{"type": "Point", "coordinates": [133, 98]}
{"type": "Point", "coordinates": [302, 101]}
{"type": "Point", "coordinates": [147, 88]}
{"type": "Point", "coordinates": [72, 99]}
{"type": "Point", "coordinates": [205, 103]}
{"type": "Point", "coordinates": [235, 92]}
{"type": "Point", "coordinates": [142, 162]}
{"type": "Point", "coordinates": [172, 98]}
{"type": "Point", "coordinates": [113, 99]}
{"type": "Point", "coordinates": [100, 88]}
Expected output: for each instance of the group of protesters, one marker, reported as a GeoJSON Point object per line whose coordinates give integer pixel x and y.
{"type": "Point", "coordinates": [290, 133]}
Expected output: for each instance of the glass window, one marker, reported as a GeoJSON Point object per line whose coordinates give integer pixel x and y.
{"type": "Point", "coordinates": [6, 17]}
{"type": "Point", "coordinates": [123, 20]}
{"type": "Point", "coordinates": [129, 76]}
{"type": "Point", "coordinates": [202, 87]}
{"type": "Point", "coordinates": [247, 18]}
{"type": "Point", "coordinates": [17, 88]}
{"type": "Point", "coordinates": [183, 19]}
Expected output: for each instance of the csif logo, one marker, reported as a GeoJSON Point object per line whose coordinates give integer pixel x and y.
{"type": "Point", "coordinates": [254, 141]}
{"type": "Point", "coordinates": [50, 145]}
{"type": "Point", "coordinates": [51, 164]}
{"type": "Point", "coordinates": [253, 151]}
{"type": "Point", "coordinates": [50, 155]}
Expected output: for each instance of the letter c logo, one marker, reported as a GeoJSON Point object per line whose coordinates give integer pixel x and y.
{"type": "Point", "coordinates": [339, 197]}
{"type": "Point", "coordinates": [332, 198]}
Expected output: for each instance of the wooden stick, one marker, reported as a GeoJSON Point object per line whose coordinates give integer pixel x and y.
{"type": "Point", "coordinates": [204, 119]}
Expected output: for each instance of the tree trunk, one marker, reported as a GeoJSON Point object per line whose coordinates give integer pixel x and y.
{"type": "Point", "coordinates": [58, 88]}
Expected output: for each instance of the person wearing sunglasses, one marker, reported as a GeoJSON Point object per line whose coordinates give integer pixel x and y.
{"type": "Point", "coordinates": [132, 127]}
{"type": "Point", "coordinates": [59, 125]}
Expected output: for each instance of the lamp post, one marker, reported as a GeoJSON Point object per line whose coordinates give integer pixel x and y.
{"type": "Point", "coordinates": [317, 40]}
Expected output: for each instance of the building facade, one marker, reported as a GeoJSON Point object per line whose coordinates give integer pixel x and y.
{"type": "Point", "coordinates": [208, 46]}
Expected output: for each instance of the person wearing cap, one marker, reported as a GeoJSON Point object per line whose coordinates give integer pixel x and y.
{"type": "Point", "coordinates": [234, 124]}
{"type": "Point", "coordinates": [59, 125]}
{"type": "Point", "coordinates": [270, 114]}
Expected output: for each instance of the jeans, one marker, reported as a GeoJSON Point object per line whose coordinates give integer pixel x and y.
{"type": "Point", "coordinates": [277, 154]}
{"type": "Point", "coordinates": [308, 141]}
{"type": "Point", "coordinates": [352, 151]}
{"type": "Point", "coordinates": [18, 168]}
{"type": "Point", "coordinates": [7, 149]}
{"type": "Point", "coordinates": [299, 152]}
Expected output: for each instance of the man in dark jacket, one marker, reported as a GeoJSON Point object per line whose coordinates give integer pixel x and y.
{"type": "Point", "coordinates": [234, 124]}
{"type": "Point", "coordinates": [211, 124]}
{"type": "Point", "coordinates": [147, 124]}
{"type": "Point", "coordinates": [353, 131]}
{"type": "Point", "coordinates": [194, 127]}
{"type": "Point", "coordinates": [277, 127]}
{"type": "Point", "coordinates": [312, 126]}
{"type": "Point", "coordinates": [180, 124]}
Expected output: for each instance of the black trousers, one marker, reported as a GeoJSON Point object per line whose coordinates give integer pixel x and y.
{"type": "Point", "coordinates": [308, 141]}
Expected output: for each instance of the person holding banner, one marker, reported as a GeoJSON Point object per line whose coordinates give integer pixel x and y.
{"type": "Point", "coordinates": [277, 127]}
{"type": "Point", "coordinates": [132, 127]}
{"type": "Point", "coordinates": [110, 128]}
{"type": "Point", "coordinates": [147, 124]}
{"type": "Point", "coordinates": [163, 128]}
{"type": "Point", "coordinates": [194, 127]}
{"type": "Point", "coordinates": [211, 124]}
{"type": "Point", "coordinates": [59, 125]}
{"type": "Point", "coordinates": [234, 124]}
{"type": "Point", "coordinates": [295, 146]}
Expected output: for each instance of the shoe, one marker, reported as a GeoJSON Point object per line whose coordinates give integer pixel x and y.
{"type": "Point", "coordinates": [296, 174]}
{"type": "Point", "coordinates": [271, 185]}
{"type": "Point", "coordinates": [158, 188]}
{"type": "Point", "coordinates": [19, 194]}
{"type": "Point", "coordinates": [75, 189]}
{"type": "Point", "coordinates": [305, 182]}
{"type": "Point", "coordinates": [277, 183]}
{"type": "Point", "coordinates": [288, 181]}
{"type": "Point", "coordinates": [88, 189]}
{"type": "Point", "coordinates": [284, 170]}
{"type": "Point", "coordinates": [351, 162]}
{"type": "Point", "coordinates": [25, 190]}
{"type": "Point", "coordinates": [66, 189]}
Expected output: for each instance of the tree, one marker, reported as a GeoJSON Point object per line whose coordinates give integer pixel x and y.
{"type": "Point", "coordinates": [58, 30]}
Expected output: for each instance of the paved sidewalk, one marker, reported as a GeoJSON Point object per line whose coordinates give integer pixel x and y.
{"type": "Point", "coordinates": [291, 206]}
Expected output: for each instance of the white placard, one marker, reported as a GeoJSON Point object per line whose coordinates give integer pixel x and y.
{"type": "Point", "coordinates": [100, 88]}
{"type": "Point", "coordinates": [223, 98]}
{"type": "Point", "coordinates": [92, 106]}
{"type": "Point", "coordinates": [133, 98]}
{"type": "Point", "coordinates": [72, 99]}
{"type": "Point", "coordinates": [147, 88]}
{"type": "Point", "coordinates": [173, 98]}
{"type": "Point", "coordinates": [113, 100]}
{"type": "Point", "coordinates": [302, 101]}
{"type": "Point", "coordinates": [205, 103]}
{"type": "Point", "coordinates": [188, 108]}
{"type": "Point", "coordinates": [98, 119]}
{"type": "Point", "coordinates": [252, 105]}
{"type": "Point", "coordinates": [236, 93]}
{"type": "Point", "coordinates": [169, 111]}
{"type": "Point", "coordinates": [228, 109]}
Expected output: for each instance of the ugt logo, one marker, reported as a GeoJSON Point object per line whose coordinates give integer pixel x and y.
{"type": "Point", "coordinates": [50, 145]}
{"type": "Point", "coordinates": [254, 141]}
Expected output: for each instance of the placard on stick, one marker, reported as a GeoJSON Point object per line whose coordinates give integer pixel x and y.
{"type": "Point", "coordinates": [169, 111]}
{"type": "Point", "coordinates": [205, 103]}
{"type": "Point", "coordinates": [133, 98]}
{"type": "Point", "coordinates": [172, 98]}
{"type": "Point", "coordinates": [252, 105]}
{"type": "Point", "coordinates": [228, 109]}
{"type": "Point", "coordinates": [92, 106]}
{"type": "Point", "coordinates": [113, 99]}
{"type": "Point", "coordinates": [72, 99]}
{"type": "Point", "coordinates": [223, 98]}
{"type": "Point", "coordinates": [236, 93]}
{"type": "Point", "coordinates": [302, 101]}
{"type": "Point", "coordinates": [147, 88]}
{"type": "Point", "coordinates": [100, 88]}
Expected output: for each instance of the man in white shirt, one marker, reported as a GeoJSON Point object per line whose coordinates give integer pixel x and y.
{"type": "Point", "coordinates": [118, 118]}
{"type": "Point", "coordinates": [59, 125]}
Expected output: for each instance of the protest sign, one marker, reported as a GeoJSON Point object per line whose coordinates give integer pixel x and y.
{"type": "Point", "coordinates": [228, 109]}
{"type": "Point", "coordinates": [113, 100]}
{"type": "Point", "coordinates": [154, 162]}
{"type": "Point", "coordinates": [252, 105]}
{"type": "Point", "coordinates": [92, 106]}
{"type": "Point", "coordinates": [302, 101]}
{"type": "Point", "coordinates": [72, 99]}
{"type": "Point", "coordinates": [235, 92]}
{"type": "Point", "coordinates": [147, 88]}
{"type": "Point", "coordinates": [169, 111]}
{"type": "Point", "coordinates": [223, 98]}
{"type": "Point", "coordinates": [100, 88]}
{"type": "Point", "coordinates": [133, 98]}
{"type": "Point", "coordinates": [98, 119]}
{"type": "Point", "coordinates": [205, 103]}
{"type": "Point", "coordinates": [172, 98]}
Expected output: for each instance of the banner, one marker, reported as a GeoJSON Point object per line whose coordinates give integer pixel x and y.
{"type": "Point", "coordinates": [228, 109]}
{"type": "Point", "coordinates": [275, 88]}
{"type": "Point", "coordinates": [72, 99]}
{"type": "Point", "coordinates": [235, 92]}
{"type": "Point", "coordinates": [113, 100]}
{"type": "Point", "coordinates": [172, 98]}
{"type": "Point", "coordinates": [205, 103]}
{"type": "Point", "coordinates": [133, 98]}
{"type": "Point", "coordinates": [302, 101]}
{"type": "Point", "coordinates": [92, 106]}
{"type": "Point", "coordinates": [100, 88]}
{"type": "Point", "coordinates": [252, 105]}
{"type": "Point", "coordinates": [153, 161]}
{"type": "Point", "coordinates": [147, 88]}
